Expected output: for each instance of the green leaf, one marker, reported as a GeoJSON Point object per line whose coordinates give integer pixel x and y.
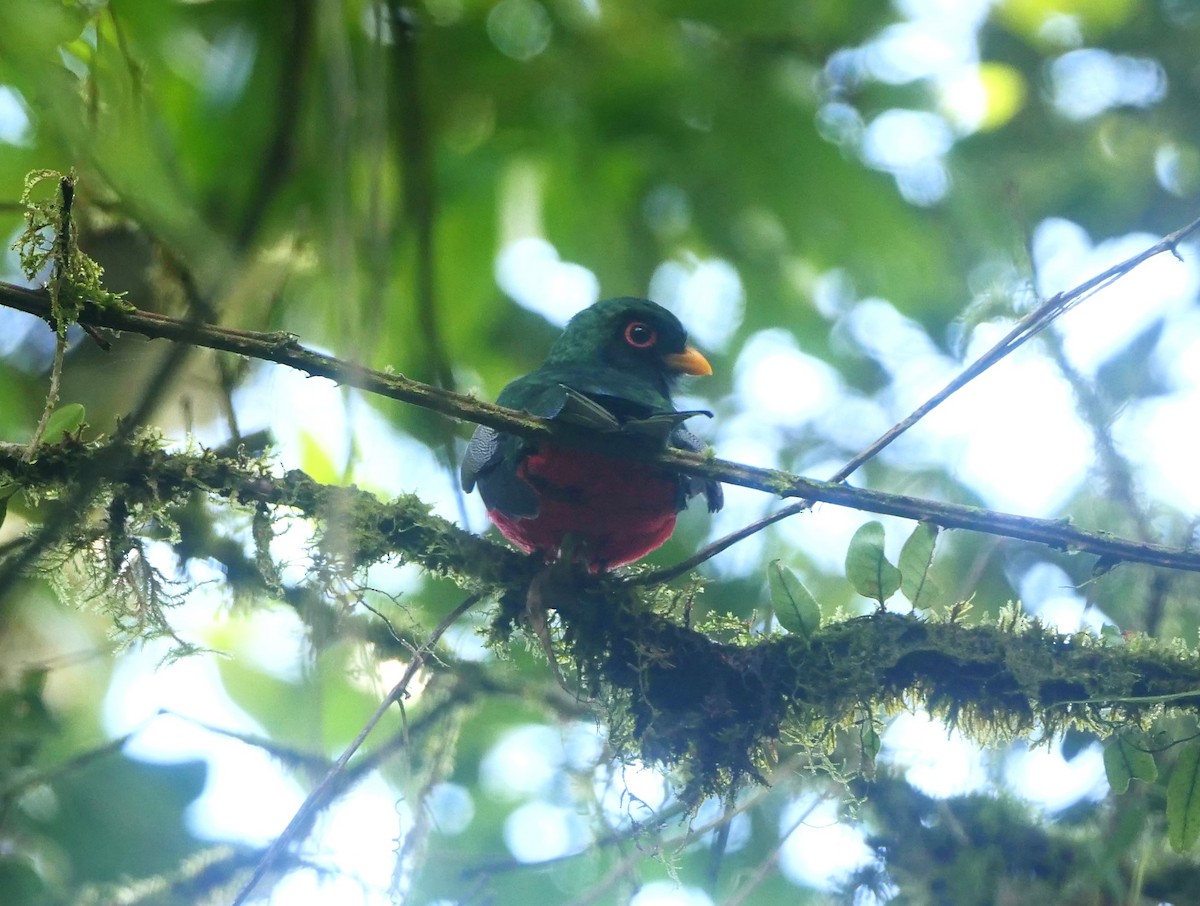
{"type": "Point", "coordinates": [871, 743]}
{"type": "Point", "coordinates": [63, 421]}
{"type": "Point", "coordinates": [867, 568]}
{"type": "Point", "coordinates": [1183, 800]}
{"type": "Point", "coordinates": [798, 611]}
{"type": "Point", "coordinates": [316, 461]}
{"type": "Point", "coordinates": [1126, 759]}
{"type": "Point", "coordinates": [915, 559]}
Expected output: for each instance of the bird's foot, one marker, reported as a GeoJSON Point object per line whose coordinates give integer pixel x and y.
{"type": "Point", "coordinates": [558, 580]}
{"type": "Point", "coordinates": [543, 591]}
{"type": "Point", "coordinates": [575, 551]}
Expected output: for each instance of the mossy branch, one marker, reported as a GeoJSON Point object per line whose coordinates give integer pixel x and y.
{"type": "Point", "coordinates": [716, 707]}
{"type": "Point", "coordinates": [366, 529]}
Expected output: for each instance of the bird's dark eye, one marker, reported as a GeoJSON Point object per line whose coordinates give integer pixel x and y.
{"type": "Point", "coordinates": [639, 335]}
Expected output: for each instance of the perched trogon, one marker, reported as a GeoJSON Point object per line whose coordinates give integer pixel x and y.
{"type": "Point", "coordinates": [611, 371]}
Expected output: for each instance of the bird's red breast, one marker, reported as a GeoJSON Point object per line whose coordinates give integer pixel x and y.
{"type": "Point", "coordinates": [617, 510]}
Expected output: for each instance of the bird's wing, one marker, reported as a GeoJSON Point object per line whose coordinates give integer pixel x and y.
{"type": "Point", "coordinates": [662, 425]}
{"type": "Point", "coordinates": [489, 446]}
{"type": "Point", "coordinates": [502, 488]}
{"type": "Point", "coordinates": [609, 414]}
{"type": "Point", "coordinates": [579, 409]}
{"type": "Point", "coordinates": [482, 453]}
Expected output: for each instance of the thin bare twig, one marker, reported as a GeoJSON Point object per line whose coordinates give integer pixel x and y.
{"type": "Point", "coordinates": [1025, 329]}
{"type": "Point", "coordinates": [317, 798]}
{"type": "Point", "coordinates": [761, 873]}
{"type": "Point", "coordinates": [651, 847]}
{"type": "Point", "coordinates": [52, 395]}
{"type": "Point", "coordinates": [282, 349]}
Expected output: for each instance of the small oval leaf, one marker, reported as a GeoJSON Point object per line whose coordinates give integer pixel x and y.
{"type": "Point", "coordinates": [916, 557]}
{"type": "Point", "coordinates": [797, 610]}
{"type": "Point", "coordinates": [1183, 800]}
{"type": "Point", "coordinates": [868, 570]}
{"type": "Point", "coordinates": [63, 421]}
{"type": "Point", "coordinates": [871, 742]}
{"type": "Point", "coordinates": [1126, 759]}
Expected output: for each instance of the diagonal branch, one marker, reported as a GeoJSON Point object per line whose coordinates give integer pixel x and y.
{"type": "Point", "coordinates": [284, 349]}
{"type": "Point", "coordinates": [1025, 329]}
{"type": "Point", "coordinates": [1057, 533]}
{"type": "Point", "coordinates": [328, 785]}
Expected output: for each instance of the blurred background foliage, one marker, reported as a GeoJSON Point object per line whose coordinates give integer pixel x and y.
{"type": "Point", "coordinates": [842, 200]}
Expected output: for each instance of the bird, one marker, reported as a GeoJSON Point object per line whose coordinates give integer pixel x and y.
{"type": "Point", "coordinates": [610, 372]}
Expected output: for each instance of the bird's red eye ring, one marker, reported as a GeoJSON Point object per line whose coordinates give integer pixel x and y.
{"type": "Point", "coordinates": [640, 335]}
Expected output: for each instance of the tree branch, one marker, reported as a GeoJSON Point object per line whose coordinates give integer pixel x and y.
{"type": "Point", "coordinates": [1029, 326]}
{"type": "Point", "coordinates": [1025, 329]}
{"type": "Point", "coordinates": [316, 799]}
{"type": "Point", "coordinates": [717, 708]}
{"type": "Point", "coordinates": [284, 349]}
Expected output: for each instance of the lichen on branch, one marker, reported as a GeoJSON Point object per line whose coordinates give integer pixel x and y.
{"type": "Point", "coordinates": [50, 242]}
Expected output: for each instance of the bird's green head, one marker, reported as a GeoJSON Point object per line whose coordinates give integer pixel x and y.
{"type": "Point", "coordinates": [635, 336]}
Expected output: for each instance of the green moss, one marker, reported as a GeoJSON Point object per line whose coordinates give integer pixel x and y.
{"type": "Point", "coordinates": [50, 241]}
{"type": "Point", "coordinates": [714, 703]}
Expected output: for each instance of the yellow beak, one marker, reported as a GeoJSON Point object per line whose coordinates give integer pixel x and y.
{"type": "Point", "coordinates": [690, 361]}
